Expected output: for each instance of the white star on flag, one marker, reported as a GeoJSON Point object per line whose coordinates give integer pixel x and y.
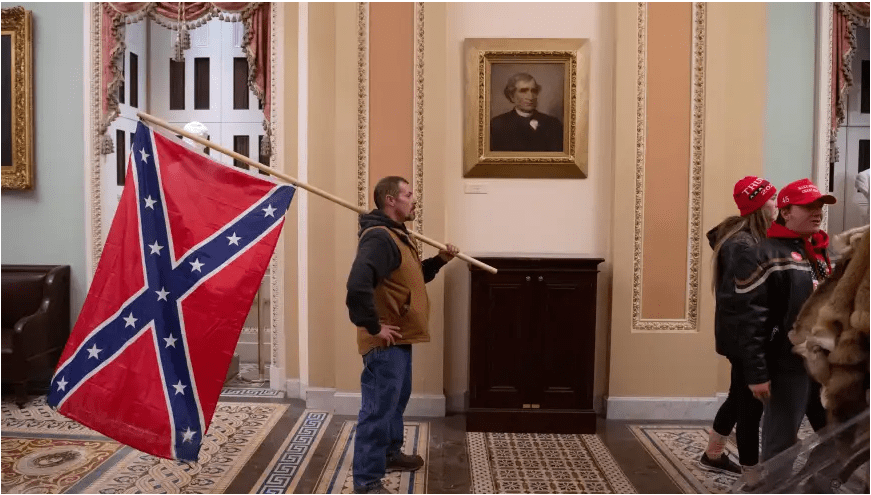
{"type": "Point", "coordinates": [179, 388]}
{"type": "Point", "coordinates": [130, 321]}
{"type": "Point", "coordinates": [93, 352]}
{"type": "Point", "coordinates": [188, 434]}
{"type": "Point", "coordinates": [62, 384]}
{"type": "Point", "coordinates": [234, 239]}
{"type": "Point", "coordinates": [155, 248]}
{"type": "Point", "coordinates": [149, 203]}
{"type": "Point", "coordinates": [196, 265]}
{"type": "Point", "coordinates": [144, 155]}
{"type": "Point", "coordinates": [170, 341]}
{"type": "Point", "coordinates": [269, 211]}
{"type": "Point", "coordinates": [161, 294]}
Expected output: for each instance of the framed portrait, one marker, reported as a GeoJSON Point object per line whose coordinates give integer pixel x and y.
{"type": "Point", "coordinates": [527, 108]}
{"type": "Point", "coordinates": [17, 95]}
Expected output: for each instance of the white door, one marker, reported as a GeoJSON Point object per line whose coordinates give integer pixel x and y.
{"type": "Point", "coordinates": [852, 141]}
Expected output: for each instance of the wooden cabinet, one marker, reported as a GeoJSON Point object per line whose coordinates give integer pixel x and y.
{"type": "Point", "coordinates": [532, 345]}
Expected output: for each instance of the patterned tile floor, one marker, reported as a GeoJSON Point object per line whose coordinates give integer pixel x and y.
{"type": "Point", "coordinates": [543, 463]}
{"type": "Point", "coordinates": [299, 446]}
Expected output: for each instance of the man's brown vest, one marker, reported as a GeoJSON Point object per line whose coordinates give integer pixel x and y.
{"type": "Point", "coordinates": [400, 299]}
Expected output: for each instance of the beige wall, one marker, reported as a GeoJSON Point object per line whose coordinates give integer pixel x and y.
{"type": "Point", "coordinates": [589, 217]}
{"type": "Point", "coordinates": [322, 216]}
{"type": "Point", "coordinates": [286, 141]}
{"type": "Point", "coordinates": [661, 364]}
{"type": "Point", "coordinates": [524, 216]}
{"type": "Point", "coordinates": [333, 361]}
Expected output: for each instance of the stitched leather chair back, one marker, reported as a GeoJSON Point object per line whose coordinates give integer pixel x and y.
{"type": "Point", "coordinates": [22, 294]}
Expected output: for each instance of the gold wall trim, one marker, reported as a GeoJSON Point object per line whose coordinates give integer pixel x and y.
{"type": "Point", "coordinates": [363, 105]}
{"type": "Point", "coordinates": [96, 158]}
{"type": "Point", "coordinates": [418, 118]}
{"type": "Point", "coordinates": [17, 24]}
{"type": "Point", "coordinates": [363, 111]}
{"type": "Point", "coordinates": [690, 321]}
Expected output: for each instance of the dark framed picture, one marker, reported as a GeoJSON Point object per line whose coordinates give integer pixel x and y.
{"type": "Point", "coordinates": [16, 92]}
{"type": "Point", "coordinates": [527, 108]}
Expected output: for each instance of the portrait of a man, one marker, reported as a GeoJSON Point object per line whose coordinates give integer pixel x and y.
{"type": "Point", "coordinates": [524, 127]}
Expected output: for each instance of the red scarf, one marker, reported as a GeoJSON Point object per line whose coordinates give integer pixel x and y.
{"type": "Point", "coordinates": [814, 245]}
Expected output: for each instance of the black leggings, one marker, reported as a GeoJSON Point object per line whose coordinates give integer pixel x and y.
{"type": "Point", "coordinates": [816, 414]}
{"type": "Point", "coordinates": [743, 409]}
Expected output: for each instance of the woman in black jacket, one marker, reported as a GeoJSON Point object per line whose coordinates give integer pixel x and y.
{"type": "Point", "coordinates": [734, 235]}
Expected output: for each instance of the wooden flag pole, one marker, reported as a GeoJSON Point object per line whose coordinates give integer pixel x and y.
{"type": "Point", "coordinates": [295, 182]}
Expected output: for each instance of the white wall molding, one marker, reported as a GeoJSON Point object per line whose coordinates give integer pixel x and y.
{"type": "Point", "coordinates": [348, 403]}
{"type": "Point", "coordinates": [664, 408]}
{"type": "Point", "coordinates": [291, 385]}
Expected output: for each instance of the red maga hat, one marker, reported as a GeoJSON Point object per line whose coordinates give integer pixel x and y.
{"type": "Point", "coordinates": [751, 193]}
{"type": "Point", "coordinates": [802, 192]}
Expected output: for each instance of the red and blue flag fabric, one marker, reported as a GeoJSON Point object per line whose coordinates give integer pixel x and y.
{"type": "Point", "coordinates": [187, 249]}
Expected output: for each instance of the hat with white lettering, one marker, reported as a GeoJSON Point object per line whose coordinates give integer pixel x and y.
{"type": "Point", "coordinates": [751, 193]}
{"type": "Point", "coordinates": [802, 192]}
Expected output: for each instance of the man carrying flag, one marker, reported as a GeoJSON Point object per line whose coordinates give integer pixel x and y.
{"type": "Point", "coordinates": [186, 252]}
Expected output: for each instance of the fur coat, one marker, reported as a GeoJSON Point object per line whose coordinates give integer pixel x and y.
{"type": "Point", "coordinates": [831, 331]}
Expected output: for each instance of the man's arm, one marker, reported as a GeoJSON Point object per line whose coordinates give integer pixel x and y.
{"type": "Point", "coordinates": [431, 266]}
{"type": "Point", "coordinates": [377, 257]}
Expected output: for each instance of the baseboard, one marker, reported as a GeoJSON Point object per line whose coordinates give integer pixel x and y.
{"type": "Point", "coordinates": [291, 388]}
{"type": "Point", "coordinates": [457, 403]}
{"type": "Point", "coordinates": [348, 403]}
{"type": "Point", "coordinates": [663, 408]}
{"type": "Point", "coordinates": [319, 398]}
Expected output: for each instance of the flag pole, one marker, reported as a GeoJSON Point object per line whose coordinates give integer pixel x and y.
{"type": "Point", "coordinates": [297, 183]}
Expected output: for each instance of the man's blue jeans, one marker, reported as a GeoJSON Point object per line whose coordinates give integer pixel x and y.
{"type": "Point", "coordinates": [386, 386]}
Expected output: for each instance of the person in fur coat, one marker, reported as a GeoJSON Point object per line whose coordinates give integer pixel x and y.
{"type": "Point", "coordinates": [831, 331]}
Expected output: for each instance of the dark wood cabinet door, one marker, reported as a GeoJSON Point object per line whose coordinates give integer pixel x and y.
{"type": "Point", "coordinates": [500, 341]}
{"type": "Point", "coordinates": [564, 322]}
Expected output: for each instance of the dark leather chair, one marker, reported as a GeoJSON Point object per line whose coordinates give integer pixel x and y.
{"type": "Point", "coordinates": [35, 323]}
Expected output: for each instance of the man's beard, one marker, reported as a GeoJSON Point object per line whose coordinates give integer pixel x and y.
{"type": "Point", "coordinates": [410, 216]}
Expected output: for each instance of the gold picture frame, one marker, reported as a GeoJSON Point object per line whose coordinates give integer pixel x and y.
{"type": "Point", "coordinates": [497, 142]}
{"type": "Point", "coordinates": [17, 142]}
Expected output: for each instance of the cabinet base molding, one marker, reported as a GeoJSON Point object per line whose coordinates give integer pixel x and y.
{"type": "Point", "coordinates": [663, 408]}
{"type": "Point", "coordinates": [531, 420]}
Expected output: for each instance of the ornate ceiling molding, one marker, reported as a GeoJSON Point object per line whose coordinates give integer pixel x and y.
{"type": "Point", "coordinates": [689, 322]}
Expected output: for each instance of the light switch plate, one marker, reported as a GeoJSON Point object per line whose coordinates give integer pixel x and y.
{"type": "Point", "coordinates": [475, 188]}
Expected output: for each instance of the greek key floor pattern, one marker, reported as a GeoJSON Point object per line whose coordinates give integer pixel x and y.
{"type": "Point", "coordinates": [293, 456]}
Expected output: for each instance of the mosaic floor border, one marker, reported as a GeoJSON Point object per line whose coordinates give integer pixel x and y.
{"type": "Point", "coordinates": [337, 475]}
{"type": "Point", "coordinates": [284, 470]}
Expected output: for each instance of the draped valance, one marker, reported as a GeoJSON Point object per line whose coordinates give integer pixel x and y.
{"type": "Point", "coordinates": [183, 17]}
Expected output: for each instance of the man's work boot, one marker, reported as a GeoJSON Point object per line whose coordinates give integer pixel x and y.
{"type": "Point", "coordinates": [404, 462]}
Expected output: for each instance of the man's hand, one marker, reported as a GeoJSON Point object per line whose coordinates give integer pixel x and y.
{"type": "Point", "coordinates": [389, 334]}
{"type": "Point", "coordinates": [762, 391]}
{"type": "Point", "coordinates": [449, 253]}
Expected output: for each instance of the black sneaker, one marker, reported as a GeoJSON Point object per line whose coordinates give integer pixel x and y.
{"type": "Point", "coordinates": [404, 462]}
{"type": "Point", "coordinates": [378, 488]}
{"type": "Point", "coordinates": [723, 464]}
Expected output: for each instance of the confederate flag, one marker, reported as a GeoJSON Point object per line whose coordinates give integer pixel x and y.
{"type": "Point", "coordinates": [187, 249]}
